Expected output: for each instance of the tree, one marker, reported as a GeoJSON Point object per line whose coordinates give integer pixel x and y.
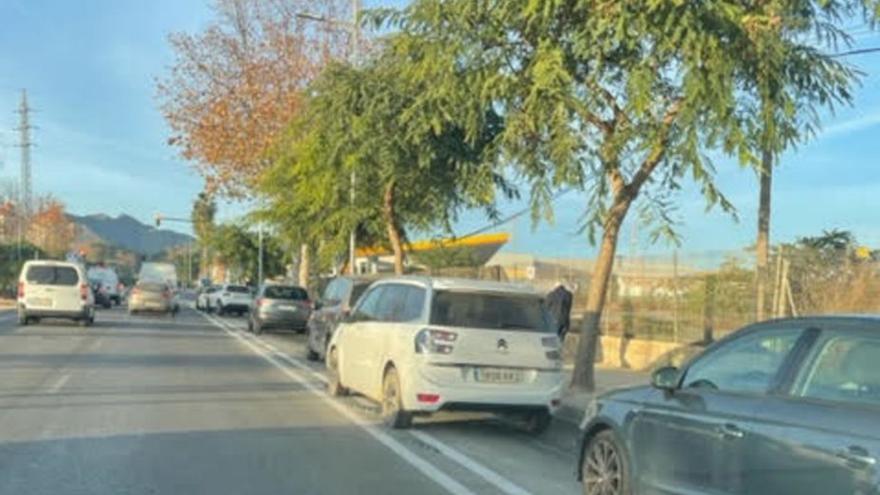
{"type": "Point", "coordinates": [621, 98]}
{"type": "Point", "coordinates": [203, 212]}
{"type": "Point", "coordinates": [238, 248]}
{"type": "Point", "coordinates": [235, 85]}
{"type": "Point", "coordinates": [790, 82]}
{"type": "Point", "coordinates": [421, 173]}
{"type": "Point", "coordinates": [49, 228]}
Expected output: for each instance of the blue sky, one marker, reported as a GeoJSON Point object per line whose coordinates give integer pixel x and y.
{"type": "Point", "coordinates": [89, 69]}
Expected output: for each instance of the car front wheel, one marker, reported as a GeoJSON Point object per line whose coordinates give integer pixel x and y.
{"type": "Point", "coordinates": [605, 468]}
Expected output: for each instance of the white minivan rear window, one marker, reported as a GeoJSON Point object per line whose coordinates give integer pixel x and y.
{"type": "Point", "coordinates": [52, 275]}
{"type": "Point", "coordinates": [492, 311]}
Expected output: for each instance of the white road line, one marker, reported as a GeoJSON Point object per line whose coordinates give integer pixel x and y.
{"type": "Point", "coordinates": [475, 467]}
{"type": "Point", "coordinates": [425, 467]}
{"type": "Point", "coordinates": [490, 476]}
{"type": "Point", "coordinates": [56, 387]}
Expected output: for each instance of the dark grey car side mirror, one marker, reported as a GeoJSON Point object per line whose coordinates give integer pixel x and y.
{"type": "Point", "coordinates": [319, 304]}
{"type": "Point", "coordinates": [666, 378]}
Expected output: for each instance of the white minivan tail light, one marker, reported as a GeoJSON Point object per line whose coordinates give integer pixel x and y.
{"type": "Point", "coordinates": [431, 341]}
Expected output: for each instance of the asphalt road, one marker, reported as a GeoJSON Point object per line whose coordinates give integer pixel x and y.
{"type": "Point", "coordinates": [153, 405]}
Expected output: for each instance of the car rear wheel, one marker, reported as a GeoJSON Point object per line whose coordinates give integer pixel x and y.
{"type": "Point", "coordinates": [334, 385]}
{"type": "Point", "coordinates": [605, 468]}
{"type": "Point", "coordinates": [393, 414]}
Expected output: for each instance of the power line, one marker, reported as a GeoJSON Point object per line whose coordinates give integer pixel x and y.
{"type": "Point", "coordinates": [858, 51]}
{"type": "Point", "coordinates": [513, 216]}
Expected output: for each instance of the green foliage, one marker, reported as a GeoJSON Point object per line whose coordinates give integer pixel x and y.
{"type": "Point", "coordinates": [203, 212]}
{"type": "Point", "coordinates": [238, 248]}
{"type": "Point", "coordinates": [366, 121]}
{"type": "Point", "coordinates": [11, 263]}
{"type": "Point", "coordinates": [624, 97]}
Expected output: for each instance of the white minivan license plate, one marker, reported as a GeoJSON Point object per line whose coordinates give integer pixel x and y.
{"type": "Point", "coordinates": [498, 375]}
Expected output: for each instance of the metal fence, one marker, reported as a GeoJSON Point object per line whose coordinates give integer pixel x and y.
{"type": "Point", "coordinates": [700, 296]}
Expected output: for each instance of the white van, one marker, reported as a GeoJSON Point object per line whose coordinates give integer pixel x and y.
{"type": "Point", "coordinates": [421, 345]}
{"type": "Point", "coordinates": [54, 289]}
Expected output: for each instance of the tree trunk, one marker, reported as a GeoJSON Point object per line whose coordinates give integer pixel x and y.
{"type": "Point", "coordinates": [394, 236]}
{"type": "Point", "coordinates": [762, 245]}
{"type": "Point", "coordinates": [583, 377]}
{"type": "Point", "coordinates": [304, 266]}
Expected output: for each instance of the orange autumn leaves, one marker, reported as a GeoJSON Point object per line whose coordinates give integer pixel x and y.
{"type": "Point", "coordinates": [235, 86]}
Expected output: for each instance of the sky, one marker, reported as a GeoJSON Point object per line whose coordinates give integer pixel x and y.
{"type": "Point", "coordinates": [89, 68]}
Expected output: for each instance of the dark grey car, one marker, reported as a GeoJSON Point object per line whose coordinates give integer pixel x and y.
{"type": "Point", "coordinates": [280, 307]}
{"type": "Point", "coordinates": [339, 297]}
{"type": "Point", "coordinates": [787, 406]}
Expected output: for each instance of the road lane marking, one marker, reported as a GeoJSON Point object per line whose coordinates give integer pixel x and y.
{"type": "Point", "coordinates": [451, 485]}
{"type": "Point", "coordinates": [500, 482]}
{"type": "Point", "coordinates": [471, 465]}
{"type": "Point", "coordinates": [56, 387]}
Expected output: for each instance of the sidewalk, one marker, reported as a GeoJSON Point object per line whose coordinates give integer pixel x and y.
{"type": "Point", "coordinates": [574, 404]}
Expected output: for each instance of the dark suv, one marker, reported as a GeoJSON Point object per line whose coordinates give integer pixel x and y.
{"type": "Point", "coordinates": [786, 406]}
{"type": "Point", "coordinates": [338, 298]}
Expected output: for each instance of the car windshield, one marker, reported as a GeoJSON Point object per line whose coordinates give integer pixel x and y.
{"type": "Point", "coordinates": [495, 311]}
{"type": "Point", "coordinates": [237, 289]}
{"type": "Point", "coordinates": [285, 292]}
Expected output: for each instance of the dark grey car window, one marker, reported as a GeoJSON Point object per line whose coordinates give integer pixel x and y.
{"type": "Point", "coordinates": [356, 291]}
{"type": "Point", "coordinates": [846, 369]}
{"type": "Point", "coordinates": [495, 311]}
{"type": "Point", "coordinates": [748, 364]}
{"type": "Point", "coordinates": [52, 275]}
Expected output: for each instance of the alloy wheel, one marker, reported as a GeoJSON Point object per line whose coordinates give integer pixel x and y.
{"type": "Point", "coordinates": [603, 469]}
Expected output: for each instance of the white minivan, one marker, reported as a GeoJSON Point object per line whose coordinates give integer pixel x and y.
{"type": "Point", "coordinates": [419, 345]}
{"type": "Point", "coordinates": [54, 289]}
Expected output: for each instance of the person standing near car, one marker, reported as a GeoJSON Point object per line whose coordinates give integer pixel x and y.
{"type": "Point", "coordinates": [558, 303]}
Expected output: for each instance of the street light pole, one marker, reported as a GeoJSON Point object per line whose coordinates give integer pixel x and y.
{"type": "Point", "coordinates": [355, 46]}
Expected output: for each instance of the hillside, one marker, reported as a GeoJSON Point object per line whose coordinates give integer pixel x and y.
{"type": "Point", "coordinates": [128, 233]}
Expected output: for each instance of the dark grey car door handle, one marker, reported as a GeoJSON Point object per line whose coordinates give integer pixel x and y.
{"type": "Point", "coordinates": [857, 457]}
{"type": "Point", "coordinates": [729, 431]}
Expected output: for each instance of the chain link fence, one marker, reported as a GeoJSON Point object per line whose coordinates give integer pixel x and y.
{"type": "Point", "coordinates": [697, 297]}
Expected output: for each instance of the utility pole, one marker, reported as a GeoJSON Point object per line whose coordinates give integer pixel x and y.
{"type": "Point", "coordinates": [24, 191]}
{"type": "Point", "coordinates": [354, 28]}
{"type": "Point", "coordinates": [355, 47]}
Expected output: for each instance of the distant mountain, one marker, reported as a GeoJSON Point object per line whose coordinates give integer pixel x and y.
{"type": "Point", "coordinates": [128, 233]}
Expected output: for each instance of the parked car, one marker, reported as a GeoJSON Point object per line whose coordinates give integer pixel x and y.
{"type": "Point", "coordinates": [232, 298]}
{"type": "Point", "coordinates": [785, 406]}
{"type": "Point", "coordinates": [339, 297]}
{"type": "Point", "coordinates": [54, 289]}
{"type": "Point", "coordinates": [102, 299]}
{"type": "Point", "coordinates": [280, 306]}
{"type": "Point", "coordinates": [152, 297]}
{"type": "Point", "coordinates": [203, 298]}
{"type": "Point", "coordinates": [108, 282]}
{"type": "Point", "coordinates": [421, 345]}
